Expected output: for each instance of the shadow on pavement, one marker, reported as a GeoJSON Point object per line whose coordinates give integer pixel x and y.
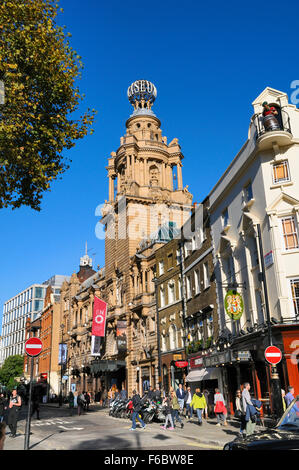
{"type": "Point", "coordinates": [109, 443]}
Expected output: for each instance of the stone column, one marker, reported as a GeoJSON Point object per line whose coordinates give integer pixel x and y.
{"type": "Point", "coordinates": [111, 188]}
{"type": "Point", "coordinates": [179, 174]}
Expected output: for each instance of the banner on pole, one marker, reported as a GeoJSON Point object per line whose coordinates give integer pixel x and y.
{"type": "Point", "coordinates": [121, 335]}
{"type": "Point", "coordinates": [96, 342]}
{"type": "Point", "coordinates": [99, 317]}
{"type": "Point", "coordinates": [62, 353]}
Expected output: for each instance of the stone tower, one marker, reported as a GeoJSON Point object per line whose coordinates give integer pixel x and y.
{"type": "Point", "coordinates": [145, 192]}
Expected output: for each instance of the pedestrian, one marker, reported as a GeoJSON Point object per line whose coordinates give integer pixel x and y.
{"type": "Point", "coordinates": [3, 406]}
{"type": "Point", "coordinates": [248, 409]}
{"type": "Point", "coordinates": [219, 408]}
{"type": "Point", "coordinates": [206, 394]}
{"type": "Point", "coordinates": [14, 406]}
{"type": "Point", "coordinates": [252, 414]}
{"type": "Point", "coordinates": [175, 410]}
{"type": "Point", "coordinates": [157, 394]}
{"type": "Point", "coordinates": [151, 394]}
{"type": "Point", "coordinates": [87, 400]}
{"type": "Point", "coordinates": [180, 393]}
{"type": "Point", "coordinates": [71, 400]}
{"type": "Point", "coordinates": [188, 399]}
{"type": "Point", "coordinates": [123, 393]}
{"type": "Point", "coordinates": [168, 413]}
{"type": "Point", "coordinates": [198, 404]}
{"type": "Point", "coordinates": [137, 405]}
{"type": "Point", "coordinates": [81, 403]}
{"type": "Point", "coordinates": [239, 412]}
{"type": "Point", "coordinates": [35, 404]}
{"type": "Point", "coordinates": [289, 396]}
{"type": "Point", "coordinates": [2, 434]}
{"type": "Point", "coordinates": [104, 397]}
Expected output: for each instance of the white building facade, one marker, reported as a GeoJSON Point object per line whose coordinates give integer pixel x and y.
{"type": "Point", "coordinates": [259, 195]}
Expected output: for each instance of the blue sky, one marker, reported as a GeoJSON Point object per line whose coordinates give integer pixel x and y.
{"type": "Point", "coordinates": [208, 60]}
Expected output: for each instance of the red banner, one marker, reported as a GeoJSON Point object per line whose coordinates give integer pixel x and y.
{"type": "Point", "coordinates": [99, 317]}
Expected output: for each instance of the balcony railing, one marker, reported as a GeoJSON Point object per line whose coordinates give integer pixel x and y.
{"type": "Point", "coordinates": [271, 123]}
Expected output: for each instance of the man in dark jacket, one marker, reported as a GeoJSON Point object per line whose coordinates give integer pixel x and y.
{"type": "Point", "coordinates": [151, 394]}
{"type": "Point", "coordinates": [157, 394]}
{"type": "Point", "coordinates": [180, 393]}
{"type": "Point", "coordinates": [137, 405]}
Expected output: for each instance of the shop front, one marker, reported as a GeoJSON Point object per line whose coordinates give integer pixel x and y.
{"type": "Point", "coordinates": [174, 370]}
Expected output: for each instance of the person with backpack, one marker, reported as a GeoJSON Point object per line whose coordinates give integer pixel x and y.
{"type": "Point", "coordinates": [14, 406]}
{"type": "Point", "coordinates": [219, 408]}
{"type": "Point", "coordinates": [137, 405]}
{"type": "Point", "coordinates": [167, 404]}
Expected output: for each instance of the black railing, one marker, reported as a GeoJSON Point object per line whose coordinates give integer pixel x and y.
{"type": "Point", "coordinates": [271, 123]}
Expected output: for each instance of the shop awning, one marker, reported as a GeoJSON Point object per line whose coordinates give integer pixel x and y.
{"type": "Point", "coordinates": [106, 366]}
{"type": "Point", "coordinates": [197, 375]}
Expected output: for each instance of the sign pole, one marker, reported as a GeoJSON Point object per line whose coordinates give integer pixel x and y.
{"type": "Point", "coordinates": [28, 421]}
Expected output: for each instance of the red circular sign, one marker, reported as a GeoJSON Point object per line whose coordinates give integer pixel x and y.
{"type": "Point", "coordinates": [33, 346]}
{"type": "Point", "coordinates": [273, 354]}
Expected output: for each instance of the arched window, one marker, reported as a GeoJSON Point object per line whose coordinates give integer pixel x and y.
{"type": "Point", "coordinates": [173, 337]}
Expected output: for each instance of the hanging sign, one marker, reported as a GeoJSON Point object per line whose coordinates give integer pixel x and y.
{"type": "Point", "coordinates": [234, 305]}
{"type": "Point", "coordinates": [181, 363]}
{"type": "Point", "coordinates": [96, 342]}
{"type": "Point", "coordinates": [99, 317]}
{"type": "Point", "coordinates": [121, 335]}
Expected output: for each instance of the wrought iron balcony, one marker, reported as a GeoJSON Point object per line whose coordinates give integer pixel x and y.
{"type": "Point", "coordinates": [272, 126]}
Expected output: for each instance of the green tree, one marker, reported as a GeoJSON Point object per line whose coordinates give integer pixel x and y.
{"type": "Point", "coordinates": [40, 117]}
{"type": "Point", "coordinates": [12, 367]}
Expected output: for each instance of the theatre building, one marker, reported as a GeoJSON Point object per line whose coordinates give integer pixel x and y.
{"type": "Point", "coordinates": [254, 215]}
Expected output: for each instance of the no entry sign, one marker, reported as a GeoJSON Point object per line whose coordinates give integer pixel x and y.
{"type": "Point", "coordinates": [273, 355]}
{"type": "Point", "coordinates": [33, 346]}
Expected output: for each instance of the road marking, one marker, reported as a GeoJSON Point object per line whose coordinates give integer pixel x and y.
{"type": "Point", "coordinates": [71, 429]}
{"type": "Point", "coordinates": [205, 446]}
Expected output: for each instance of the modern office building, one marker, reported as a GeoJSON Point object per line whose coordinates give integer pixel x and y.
{"type": "Point", "coordinates": [28, 303]}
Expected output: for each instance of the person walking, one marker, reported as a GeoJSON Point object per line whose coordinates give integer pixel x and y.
{"type": "Point", "coordinates": [206, 394]}
{"type": "Point", "coordinates": [35, 404]}
{"type": "Point", "coordinates": [180, 393]}
{"type": "Point", "coordinates": [168, 413]}
{"type": "Point", "coordinates": [252, 415]}
{"type": "Point", "coordinates": [239, 412]}
{"type": "Point", "coordinates": [87, 401]}
{"type": "Point", "coordinates": [2, 434]}
{"type": "Point", "coordinates": [157, 394]}
{"type": "Point", "coordinates": [81, 403]}
{"type": "Point", "coordinates": [219, 408]}
{"type": "Point", "coordinates": [104, 397]}
{"type": "Point", "coordinates": [137, 405]}
{"type": "Point", "coordinates": [14, 406]}
{"type": "Point", "coordinates": [175, 410]}
{"type": "Point", "coordinates": [198, 404]}
{"type": "Point", "coordinates": [71, 400]}
{"type": "Point", "coordinates": [289, 396]}
{"type": "Point", "coordinates": [123, 393]}
{"type": "Point", "coordinates": [2, 406]}
{"type": "Point", "coordinates": [187, 400]}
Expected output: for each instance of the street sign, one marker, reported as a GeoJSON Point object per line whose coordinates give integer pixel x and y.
{"type": "Point", "coordinates": [273, 355]}
{"type": "Point", "coordinates": [181, 363]}
{"type": "Point", "coordinates": [33, 346]}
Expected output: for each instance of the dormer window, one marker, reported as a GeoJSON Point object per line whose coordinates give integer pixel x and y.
{"type": "Point", "coordinates": [225, 218]}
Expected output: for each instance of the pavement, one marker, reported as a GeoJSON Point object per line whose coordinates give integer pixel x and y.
{"type": "Point", "coordinates": [58, 429]}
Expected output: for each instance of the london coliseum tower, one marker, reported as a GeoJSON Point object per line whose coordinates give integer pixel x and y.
{"type": "Point", "coordinates": [145, 193]}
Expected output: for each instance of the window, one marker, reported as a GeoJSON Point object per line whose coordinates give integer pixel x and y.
{"type": "Point", "coordinates": [39, 292]}
{"type": "Point", "coordinates": [178, 257]}
{"type": "Point", "coordinates": [172, 337]}
{"type": "Point", "coordinates": [171, 292]}
{"type": "Point", "coordinates": [197, 281]}
{"type": "Point", "coordinates": [206, 275]}
{"type": "Point", "coordinates": [161, 268]}
{"type": "Point", "coordinates": [295, 294]}
{"type": "Point", "coordinates": [225, 218]}
{"type": "Point", "coordinates": [180, 287]}
{"type": "Point", "coordinates": [170, 261]}
{"type": "Point", "coordinates": [162, 296]}
{"type": "Point", "coordinates": [248, 194]}
{"type": "Point", "coordinates": [281, 172]}
{"type": "Point", "coordinates": [188, 281]}
{"type": "Point", "coordinates": [290, 233]}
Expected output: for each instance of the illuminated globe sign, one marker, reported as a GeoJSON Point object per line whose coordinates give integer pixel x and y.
{"type": "Point", "coordinates": [234, 305]}
{"type": "Point", "coordinates": [142, 90]}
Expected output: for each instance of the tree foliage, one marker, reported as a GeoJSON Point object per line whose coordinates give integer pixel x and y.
{"type": "Point", "coordinates": [39, 69]}
{"type": "Point", "coordinates": [11, 368]}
